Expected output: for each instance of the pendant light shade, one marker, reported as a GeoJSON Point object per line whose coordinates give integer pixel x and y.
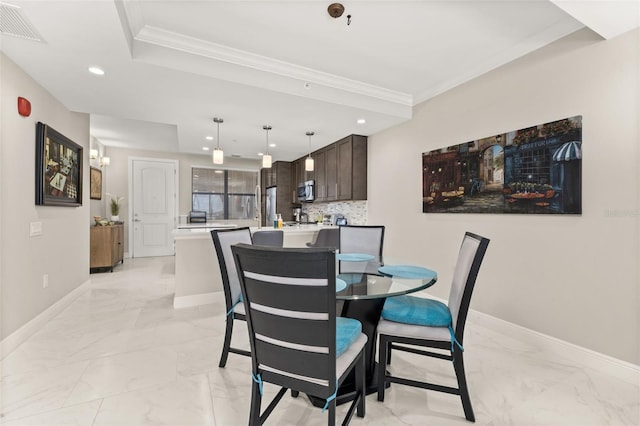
{"type": "Point", "coordinates": [266, 158]}
{"type": "Point", "coordinates": [218, 154]}
{"type": "Point", "coordinates": [266, 161]}
{"type": "Point", "coordinates": [308, 163]}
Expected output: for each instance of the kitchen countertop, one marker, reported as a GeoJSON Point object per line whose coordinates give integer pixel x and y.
{"type": "Point", "coordinates": [198, 230]}
{"type": "Point", "coordinates": [202, 230]}
{"type": "Point", "coordinates": [293, 228]}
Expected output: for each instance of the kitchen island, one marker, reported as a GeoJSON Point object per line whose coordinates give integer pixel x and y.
{"type": "Point", "coordinates": [197, 277]}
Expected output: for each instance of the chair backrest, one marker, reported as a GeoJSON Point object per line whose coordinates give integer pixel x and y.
{"type": "Point", "coordinates": [362, 239]}
{"type": "Point", "coordinates": [468, 264]}
{"type": "Point", "coordinates": [289, 296]}
{"type": "Point", "coordinates": [268, 238]}
{"type": "Point", "coordinates": [223, 239]}
{"type": "Point", "coordinates": [327, 237]}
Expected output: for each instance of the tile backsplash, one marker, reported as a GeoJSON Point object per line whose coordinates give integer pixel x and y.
{"type": "Point", "coordinates": [354, 211]}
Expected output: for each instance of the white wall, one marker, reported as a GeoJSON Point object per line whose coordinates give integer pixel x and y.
{"type": "Point", "coordinates": [115, 176]}
{"type": "Point", "coordinates": [572, 277]}
{"type": "Point", "coordinates": [62, 251]}
{"type": "Point", "coordinates": [98, 207]}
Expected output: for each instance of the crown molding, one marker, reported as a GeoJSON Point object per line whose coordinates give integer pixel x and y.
{"type": "Point", "coordinates": [191, 45]}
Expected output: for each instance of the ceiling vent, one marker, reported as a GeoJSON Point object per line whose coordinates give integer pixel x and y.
{"type": "Point", "coordinates": [13, 22]}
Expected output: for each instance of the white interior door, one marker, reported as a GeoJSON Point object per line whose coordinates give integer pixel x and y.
{"type": "Point", "coordinates": [154, 207]}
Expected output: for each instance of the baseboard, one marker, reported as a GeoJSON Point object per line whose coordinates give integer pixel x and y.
{"type": "Point", "coordinates": [579, 355]}
{"type": "Point", "coordinates": [15, 339]}
{"type": "Point", "coordinates": [196, 300]}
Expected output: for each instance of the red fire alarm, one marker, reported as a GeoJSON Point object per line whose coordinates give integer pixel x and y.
{"type": "Point", "coordinates": [24, 107]}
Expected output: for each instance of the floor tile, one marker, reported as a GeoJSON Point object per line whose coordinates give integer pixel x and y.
{"type": "Point", "coordinates": [123, 373]}
{"type": "Point", "coordinates": [183, 402]}
{"type": "Point", "coordinates": [38, 390]}
{"type": "Point", "coordinates": [77, 415]}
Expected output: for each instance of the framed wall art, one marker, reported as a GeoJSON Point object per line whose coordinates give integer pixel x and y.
{"type": "Point", "coordinates": [58, 168]}
{"type": "Point", "coordinates": [95, 180]}
{"type": "Point", "coordinates": [536, 170]}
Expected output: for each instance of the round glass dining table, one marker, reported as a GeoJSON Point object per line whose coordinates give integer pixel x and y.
{"type": "Point", "coordinates": [363, 299]}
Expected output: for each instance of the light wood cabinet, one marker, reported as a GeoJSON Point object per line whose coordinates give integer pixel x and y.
{"type": "Point", "coordinates": [107, 246]}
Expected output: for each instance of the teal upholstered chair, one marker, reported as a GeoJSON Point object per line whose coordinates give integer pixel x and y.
{"type": "Point", "coordinates": [223, 239]}
{"type": "Point", "coordinates": [327, 237]}
{"type": "Point", "coordinates": [269, 238]}
{"type": "Point", "coordinates": [362, 239]}
{"type": "Point", "coordinates": [297, 342]}
{"type": "Point", "coordinates": [409, 322]}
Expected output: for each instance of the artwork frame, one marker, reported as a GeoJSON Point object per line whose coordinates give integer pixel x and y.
{"type": "Point", "coordinates": [95, 183]}
{"type": "Point", "coordinates": [59, 165]}
{"type": "Point", "coordinates": [534, 170]}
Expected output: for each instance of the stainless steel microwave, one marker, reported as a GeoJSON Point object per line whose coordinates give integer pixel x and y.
{"type": "Point", "coordinates": [306, 191]}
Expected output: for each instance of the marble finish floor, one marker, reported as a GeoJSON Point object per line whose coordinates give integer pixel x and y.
{"type": "Point", "coordinates": [121, 355]}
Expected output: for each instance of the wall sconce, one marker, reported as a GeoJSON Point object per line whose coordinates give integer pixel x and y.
{"type": "Point", "coordinates": [93, 154]}
{"type": "Point", "coordinates": [105, 161]}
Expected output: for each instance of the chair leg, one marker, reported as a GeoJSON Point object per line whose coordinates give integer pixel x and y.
{"type": "Point", "coordinates": [361, 386]}
{"type": "Point", "coordinates": [458, 365]}
{"type": "Point", "coordinates": [256, 400]}
{"type": "Point", "coordinates": [389, 353]}
{"type": "Point", "coordinates": [384, 351]}
{"type": "Point", "coordinates": [294, 393]}
{"type": "Point", "coordinates": [227, 342]}
{"type": "Point", "coordinates": [331, 412]}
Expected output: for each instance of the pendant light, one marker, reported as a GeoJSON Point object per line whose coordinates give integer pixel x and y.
{"type": "Point", "coordinates": [218, 154]}
{"type": "Point", "coordinates": [266, 158]}
{"type": "Point", "coordinates": [308, 163]}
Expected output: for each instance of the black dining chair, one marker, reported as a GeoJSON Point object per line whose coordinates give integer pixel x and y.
{"type": "Point", "coordinates": [361, 239]}
{"type": "Point", "coordinates": [223, 239]}
{"type": "Point", "coordinates": [409, 321]}
{"type": "Point", "coordinates": [327, 237]}
{"type": "Point", "coordinates": [297, 342]}
{"type": "Point", "coordinates": [269, 238]}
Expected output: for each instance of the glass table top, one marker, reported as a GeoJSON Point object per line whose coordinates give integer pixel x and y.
{"type": "Point", "coordinates": [369, 286]}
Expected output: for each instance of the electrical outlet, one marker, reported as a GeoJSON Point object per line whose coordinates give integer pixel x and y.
{"type": "Point", "coordinates": [45, 281]}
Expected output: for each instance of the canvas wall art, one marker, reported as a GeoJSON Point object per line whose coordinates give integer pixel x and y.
{"type": "Point", "coordinates": [58, 168]}
{"type": "Point", "coordinates": [536, 170]}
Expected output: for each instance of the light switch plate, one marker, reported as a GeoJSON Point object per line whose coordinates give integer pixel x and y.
{"type": "Point", "coordinates": [35, 228]}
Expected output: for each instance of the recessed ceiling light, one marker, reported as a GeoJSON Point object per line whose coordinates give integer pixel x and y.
{"type": "Point", "coordinates": [218, 171]}
{"type": "Point", "coordinates": [361, 121]}
{"type": "Point", "coordinates": [96, 71]}
{"type": "Point", "coordinates": [260, 154]}
{"type": "Point", "coordinates": [205, 148]}
{"type": "Point", "coordinates": [272, 145]}
{"type": "Point", "coordinates": [209, 138]}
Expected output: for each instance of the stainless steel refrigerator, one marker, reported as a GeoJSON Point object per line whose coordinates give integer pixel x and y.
{"type": "Point", "coordinates": [270, 206]}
